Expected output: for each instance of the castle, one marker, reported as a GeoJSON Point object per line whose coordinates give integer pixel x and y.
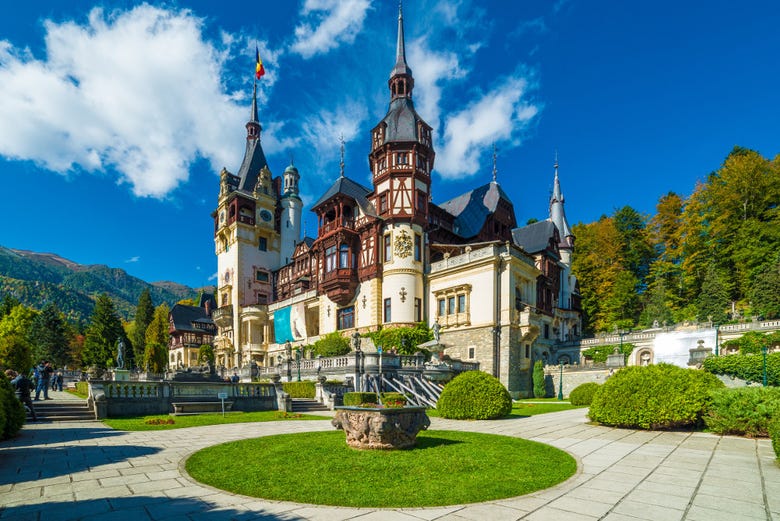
{"type": "Point", "coordinates": [387, 255]}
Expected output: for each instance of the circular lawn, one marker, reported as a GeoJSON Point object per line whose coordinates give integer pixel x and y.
{"type": "Point", "coordinates": [445, 468]}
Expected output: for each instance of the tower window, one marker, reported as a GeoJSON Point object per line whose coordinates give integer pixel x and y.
{"type": "Point", "coordinates": [388, 309]}
{"type": "Point", "coordinates": [262, 244]}
{"type": "Point", "coordinates": [261, 276]}
{"type": "Point", "coordinates": [402, 158]}
{"type": "Point", "coordinates": [388, 247]}
{"type": "Point", "coordinates": [383, 203]}
{"type": "Point", "coordinates": [417, 310]}
{"type": "Point", "coordinates": [420, 201]}
{"type": "Point", "coordinates": [417, 247]}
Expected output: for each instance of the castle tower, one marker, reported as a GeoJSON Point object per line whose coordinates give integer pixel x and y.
{"type": "Point", "coordinates": [292, 208]}
{"type": "Point", "coordinates": [247, 244]}
{"type": "Point", "coordinates": [401, 160]}
{"type": "Point", "coordinates": [566, 244]}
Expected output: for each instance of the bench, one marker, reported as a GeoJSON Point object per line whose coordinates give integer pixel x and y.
{"type": "Point", "coordinates": [183, 408]}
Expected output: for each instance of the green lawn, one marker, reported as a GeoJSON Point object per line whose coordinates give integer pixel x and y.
{"type": "Point", "coordinates": [526, 408]}
{"type": "Point", "coordinates": [147, 423]}
{"type": "Point", "coordinates": [445, 468]}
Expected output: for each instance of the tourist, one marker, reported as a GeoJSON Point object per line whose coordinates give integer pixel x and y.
{"type": "Point", "coordinates": [234, 378]}
{"type": "Point", "coordinates": [44, 377]}
{"type": "Point", "coordinates": [59, 381]}
{"type": "Point", "coordinates": [22, 387]}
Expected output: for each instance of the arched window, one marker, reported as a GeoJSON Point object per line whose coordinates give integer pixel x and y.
{"type": "Point", "coordinates": [343, 256]}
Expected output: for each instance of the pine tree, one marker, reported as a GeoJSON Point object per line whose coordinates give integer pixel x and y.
{"type": "Point", "coordinates": [765, 294]}
{"type": "Point", "coordinates": [103, 334]}
{"type": "Point", "coordinates": [540, 388]}
{"type": "Point", "coordinates": [157, 340]}
{"type": "Point", "coordinates": [714, 298]}
{"type": "Point", "coordinates": [50, 336]}
{"type": "Point", "coordinates": [144, 313]}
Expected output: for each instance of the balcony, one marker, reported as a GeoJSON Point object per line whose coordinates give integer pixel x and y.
{"type": "Point", "coordinates": [223, 317]}
{"type": "Point", "coordinates": [340, 285]}
{"type": "Point", "coordinates": [258, 311]}
{"type": "Point", "coordinates": [522, 319]}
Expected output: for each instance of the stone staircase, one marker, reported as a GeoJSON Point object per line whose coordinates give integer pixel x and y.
{"type": "Point", "coordinates": [63, 410]}
{"type": "Point", "coordinates": [306, 405]}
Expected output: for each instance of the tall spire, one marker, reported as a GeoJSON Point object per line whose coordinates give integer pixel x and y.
{"type": "Point", "coordinates": [401, 81]}
{"type": "Point", "coordinates": [253, 116]}
{"type": "Point", "coordinates": [557, 213]}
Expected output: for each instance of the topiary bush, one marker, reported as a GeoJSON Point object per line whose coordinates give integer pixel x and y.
{"type": "Point", "coordinates": [394, 399]}
{"type": "Point", "coordinates": [540, 389]}
{"type": "Point", "coordinates": [13, 410]}
{"type": "Point", "coordinates": [474, 395]}
{"type": "Point", "coordinates": [745, 411]}
{"type": "Point", "coordinates": [661, 396]}
{"type": "Point", "coordinates": [303, 389]}
{"type": "Point", "coordinates": [355, 399]}
{"type": "Point", "coordinates": [583, 393]}
{"type": "Point", "coordinates": [774, 433]}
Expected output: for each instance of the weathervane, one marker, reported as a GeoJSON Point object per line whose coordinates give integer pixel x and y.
{"type": "Point", "coordinates": [495, 162]}
{"type": "Point", "coordinates": [341, 164]}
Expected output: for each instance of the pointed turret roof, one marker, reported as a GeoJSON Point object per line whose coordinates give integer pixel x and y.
{"type": "Point", "coordinates": [401, 67]}
{"type": "Point", "coordinates": [254, 158]}
{"type": "Point", "coordinates": [557, 213]}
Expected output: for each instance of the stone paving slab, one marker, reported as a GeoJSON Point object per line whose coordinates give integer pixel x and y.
{"type": "Point", "coordinates": [85, 471]}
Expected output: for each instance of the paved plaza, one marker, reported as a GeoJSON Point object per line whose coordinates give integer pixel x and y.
{"type": "Point", "coordinates": [83, 470]}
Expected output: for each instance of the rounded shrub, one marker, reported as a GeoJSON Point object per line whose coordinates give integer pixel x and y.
{"type": "Point", "coordinates": [745, 411]}
{"type": "Point", "coordinates": [583, 393]}
{"type": "Point", "coordinates": [12, 407]}
{"type": "Point", "coordinates": [661, 396]}
{"type": "Point", "coordinates": [474, 395]}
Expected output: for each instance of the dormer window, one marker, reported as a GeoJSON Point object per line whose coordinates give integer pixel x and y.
{"type": "Point", "coordinates": [402, 158]}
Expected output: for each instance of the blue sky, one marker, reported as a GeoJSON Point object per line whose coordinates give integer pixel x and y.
{"type": "Point", "coordinates": [115, 118]}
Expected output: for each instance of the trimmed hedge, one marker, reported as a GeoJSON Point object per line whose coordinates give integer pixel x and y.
{"type": "Point", "coordinates": [745, 411]}
{"type": "Point", "coordinates": [540, 387]}
{"type": "Point", "coordinates": [661, 396]}
{"type": "Point", "coordinates": [583, 393]}
{"type": "Point", "coordinates": [774, 434]}
{"type": "Point", "coordinates": [355, 399]}
{"type": "Point", "coordinates": [474, 395]}
{"type": "Point", "coordinates": [394, 399]}
{"type": "Point", "coordinates": [82, 388]}
{"type": "Point", "coordinates": [13, 415]}
{"type": "Point", "coordinates": [304, 389]}
{"type": "Point", "coordinates": [746, 367]}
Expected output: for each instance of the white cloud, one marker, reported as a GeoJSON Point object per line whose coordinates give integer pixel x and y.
{"type": "Point", "coordinates": [135, 258]}
{"type": "Point", "coordinates": [111, 95]}
{"type": "Point", "coordinates": [322, 130]}
{"type": "Point", "coordinates": [431, 70]}
{"type": "Point", "coordinates": [328, 24]}
{"type": "Point", "coordinates": [499, 115]}
{"type": "Point", "coordinates": [213, 277]}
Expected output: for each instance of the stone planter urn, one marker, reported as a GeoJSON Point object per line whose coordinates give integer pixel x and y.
{"type": "Point", "coordinates": [381, 428]}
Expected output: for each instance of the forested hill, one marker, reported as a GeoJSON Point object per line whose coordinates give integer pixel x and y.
{"type": "Point", "coordinates": [38, 278]}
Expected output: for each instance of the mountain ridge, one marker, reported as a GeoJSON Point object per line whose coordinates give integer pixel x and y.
{"type": "Point", "coordinates": [36, 278]}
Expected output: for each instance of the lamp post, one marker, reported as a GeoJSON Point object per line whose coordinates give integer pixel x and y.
{"type": "Point", "coordinates": [763, 353]}
{"type": "Point", "coordinates": [560, 384]}
{"type": "Point", "coordinates": [717, 331]}
{"type": "Point", "coordinates": [298, 361]}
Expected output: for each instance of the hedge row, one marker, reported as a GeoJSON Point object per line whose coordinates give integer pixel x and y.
{"type": "Point", "coordinates": [746, 367]}
{"type": "Point", "coordinates": [745, 411]}
{"type": "Point", "coordinates": [305, 389]}
{"type": "Point", "coordinates": [390, 399]}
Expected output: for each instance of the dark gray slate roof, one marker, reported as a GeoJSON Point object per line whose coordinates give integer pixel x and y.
{"type": "Point", "coordinates": [401, 121]}
{"type": "Point", "coordinates": [472, 208]}
{"type": "Point", "coordinates": [348, 187]}
{"type": "Point", "coordinates": [534, 237]}
{"type": "Point", "coordinates": [207, 298]}
{"type": "Point", "coordinates": [254, 161]}
{"type": "Point", "coordinates": [184, 316]}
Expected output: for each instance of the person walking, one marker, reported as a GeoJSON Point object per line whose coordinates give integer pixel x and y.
{"type": "Point", "coordinates": [22, 387]}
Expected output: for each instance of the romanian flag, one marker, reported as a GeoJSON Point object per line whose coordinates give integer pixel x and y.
{"type": "Point", "coordinates": [259, 69]}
